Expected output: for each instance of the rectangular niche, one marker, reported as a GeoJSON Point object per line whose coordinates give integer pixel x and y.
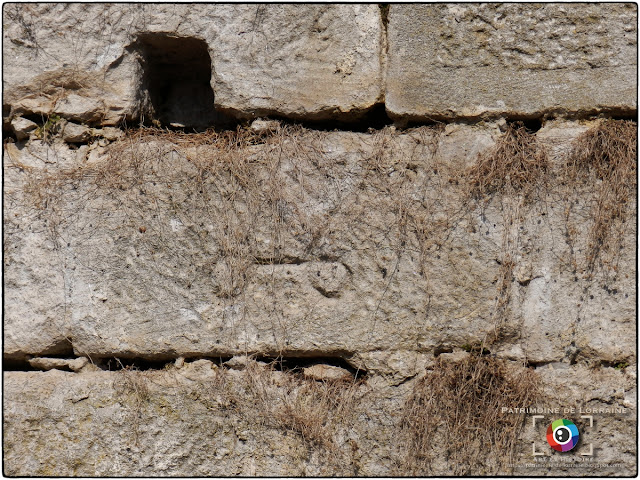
{"type": "Point", "coordinates": [175, 81]}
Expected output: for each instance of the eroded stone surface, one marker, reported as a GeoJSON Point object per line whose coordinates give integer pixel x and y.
{"type": "Point", "coordinates": [387, 256]}
{"type": "Point", "coordinates": [322, 372]}
{"type": "Point", "coordinates": [209, 422]}
{"type": "Point", "coordinates": [82, 61]}
{"type": "Point", "coordinates": [298, 245]}
{"type": "Point", "coordinates": [22, 127]}
{"type": "Point", "coordinates": [448, 61]}
{"type": "Point", "coordinates": [74, 133]}
{"type": "Point", "coordinates": [299, 62]}
{"type": "Point", "coordinates": [44, 363]}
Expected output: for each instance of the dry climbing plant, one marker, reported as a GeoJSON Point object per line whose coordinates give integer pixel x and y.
{"type": "Point", "coordinates": [455, 405]}
{"type": "Point", "coordinates": [320, 413]}
{"type": "Point", "coordinates": [131, 386]}
{"type": "Point", "coordinates": [228, 204]}
{"type": "Point", "coordinates": [454, 415]}
{"type": "Point", "coordinates": [515, 171]}
{"type": "Point", "coordinates": [605, 157]}
{"type": "Point", "coordinates": [515, 166]}
{"type": "Point", "coordinates": [206, 210]}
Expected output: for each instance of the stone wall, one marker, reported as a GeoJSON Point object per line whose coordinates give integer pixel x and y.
{"type": "Point", "coordinates": [325, 62]}
{"type": "Point", "coordinates": [471, 61]}
{"type": "Point", "coordinates": [196, 285]}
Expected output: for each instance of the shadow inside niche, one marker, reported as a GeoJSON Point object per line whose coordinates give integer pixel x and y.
{"type": "Point", "coordinates": [176, 82]}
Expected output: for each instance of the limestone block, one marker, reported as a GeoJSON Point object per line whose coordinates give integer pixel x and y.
{"type": "Point", "coordinates": [43, 363]}
{"type": "Point", "coordinates": [199, 370]}
{"type": "Point", "coordinates": [74, 133]}
{"type": "Point", "coordinates": [522, 60]}
{"type": "Point", "coordinates": [109, 133]}
{"type": "Point", "coordinates": [79, 108]}
{"type": "Point", "coordinates": [23, 127]}
{"type": "Point", "coordinates": [88, 63]}
{"type": "Point", "coordinates": [323, 372]}
{"type": "Point", "coordinates": [183, 422]}
{"type": "Point", "coordinates": [33, 319]}
{"type": "Point", "coordinates": [359, 250]}
{"type": "Point", "coordinates": [66, 59]}
{"type": "Point", "coordinates": [262, 127]}
{"type": "Point", "coordinates": [311, 62]}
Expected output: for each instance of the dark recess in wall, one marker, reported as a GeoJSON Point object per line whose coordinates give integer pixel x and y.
{"type": "Point", "coordinates": [7, 131]}
{"type": "Point", "coordinates": [176, 82]}
{"type": "Point", "coordinates": [10, 365]}
{"type": "Point", "coordinates": [373, 119]}
{"type": "Point", "coordinates": [23, 365]}
{"type": "Point", "coordinates": [531, 124]}
{"type": "Point", "coordinates": [296, 364]}
{"type": "Point", "coordinates": [384, 14]}
{"type": "Point", "coordinates": [282, 363]}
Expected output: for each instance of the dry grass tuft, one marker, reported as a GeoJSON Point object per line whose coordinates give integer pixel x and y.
{"type": "Point", "coordinates": [514, 172]}
{"type": "Point", "coordinates": [606, 154]}
{"type": "Point", "coordinates": [516, 165]}
{"type": "Point", "coordinates": [132, 386]}
{"type": "Point", "coordinates": [318, 416]}
{"type": "Point", "coordinates": [316, 411]}
{"type": "Point", "coordinates": [456, 408]}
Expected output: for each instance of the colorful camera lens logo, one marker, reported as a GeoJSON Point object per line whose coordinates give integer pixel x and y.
{"type": "Point", "coordinates": [562, 435]}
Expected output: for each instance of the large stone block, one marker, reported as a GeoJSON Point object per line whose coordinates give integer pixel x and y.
{"type": "Point", "coordinates": [69, 60]}
{"type": "Point", "coordinates": [205, 420]}
{"type": "Point", "coordinates": [365, 247]}
{"type": "Point", "coordinates": [518, 60]}
{"type": "Point", "coordinates": [306, 62]}
{"type": "Point", "coordinates": [106, 63]}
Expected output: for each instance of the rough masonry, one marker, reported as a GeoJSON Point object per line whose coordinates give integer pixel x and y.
{"type": "Point", "coordinates": [239, 238]}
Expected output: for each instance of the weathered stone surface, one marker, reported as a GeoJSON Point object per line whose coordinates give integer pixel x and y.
{"type": "Point", "coordinates": [328, 278]}
{"type": "Point", "coordinates": [300, 62]}
{"type": "Point", "coordinates": [43, 363]}
{"type": "Point", "coordinates": [74, 133]}
{"type": "Point", "coordinates": [212, 422]}
{"type": "Point", "coordinates": [23, 127]}
{"type": "Point", "coordinates": [522, 60]}
{"type": "Point", "coordinates": [82, 61]}
{"type": "Point", "coordinates": [262, 57]}
{"type": "Point", "coordinates": [81, 109]}
{"type": "Point", "coordinates": [322, 372]}
{"type": "Point", "coordinates": [199, 370]}
{"type": "Point", "coordinates": [34, 318]}
{"type": "Point", "coordinates": [108, 133]}
{"type": "Point", "coordinates": [454, 356]}
{"type": "Point", "coordinates": [240, 362]}
{"type": "Point", "coordinates": [262, 127]}
{"type": "Point", "coordinates": [581, 391]}
{"type": "Point", "coordinates": [378, 261]}
{"type": "Point", "coordinates": [173, 252]}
